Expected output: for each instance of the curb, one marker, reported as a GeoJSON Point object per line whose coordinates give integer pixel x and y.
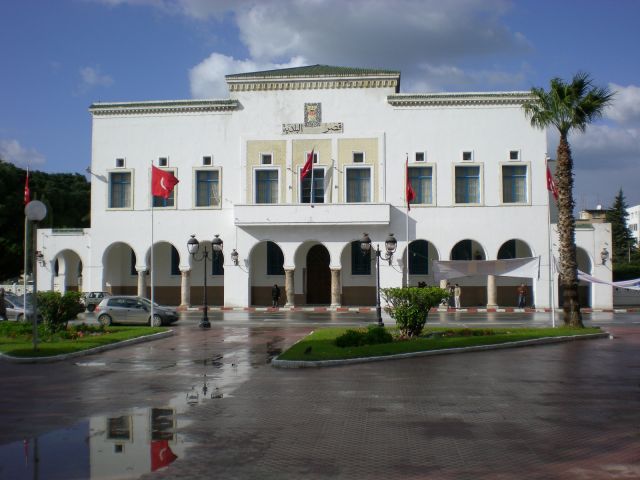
{"type": "Point", "coordinates": [447, 351]}
{"type": "Point", "coordinates": [82, 353]}
{"type": "Point", "coordinates": [373, 309]}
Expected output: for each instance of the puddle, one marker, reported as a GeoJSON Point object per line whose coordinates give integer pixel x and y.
{"type": "Point", "coordinates": [102, 447]}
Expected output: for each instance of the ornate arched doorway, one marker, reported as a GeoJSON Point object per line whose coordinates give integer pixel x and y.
{"type": "Point", "coordinates": [318, 276]}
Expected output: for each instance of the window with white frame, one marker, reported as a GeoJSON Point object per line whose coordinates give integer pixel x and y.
{"type": "Point", "coordinates": [514, 184]}
{"type": "Point", "coordinates": [420, 157]}
{"type": "Point", "coordinates": [207, 160]}
{"type": "Point", "coordinates": [163, 162]}
{"type": "Point", "coordinates": [120, 163]}
{"type": "Point", "coordinates": [120, 190]}
{"type": "Point", "coordinates": [266, 159]}
{"type": "Point", "coordinates": [358, 185]}
{"type": "Point", "coordinates": [514, 155]}
{"type": "Point", "coordinates": [467, 156]}
{"type": "Point", "coordinates": [266, 185]}
{"type": "Point", "coordinates": [358, 157]}
{"type": "Point", "coordinates": [207, 188]}
{"type": "Point", "coordinates": [307, 195]}
{"type": "Point", "coordinates": [421, 179]}
{"type": "Point", "coordinates": [467, 184]}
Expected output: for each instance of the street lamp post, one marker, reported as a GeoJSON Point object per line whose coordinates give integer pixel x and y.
{"type": "Point", "coordinates": [390, 245]}
{"type": "Point", "coordinates": [193, 246]}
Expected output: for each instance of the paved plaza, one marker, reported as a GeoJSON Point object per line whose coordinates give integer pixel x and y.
{"type": "Point", "coordinates": [558, 411]}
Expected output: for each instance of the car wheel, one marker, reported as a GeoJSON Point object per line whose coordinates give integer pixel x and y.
{"type": "Point", "coordinates": [20, 317]}
{"type": "Point", "coordinates": [156, 321]}
{"type": "Point", "coordinates": [105, 320]}
{"type": "Point", "coordinates": [91, 307]}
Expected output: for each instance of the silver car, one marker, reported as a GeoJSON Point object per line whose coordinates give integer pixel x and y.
{"type": "Point", "coordinates": [133, 310]}
{"type": "Point", "coordinates": [15, 308]}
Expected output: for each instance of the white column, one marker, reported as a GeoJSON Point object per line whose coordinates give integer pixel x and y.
{"type": "Point", "coordinates": [236, 285]}
{"type": "Point", "coordinates": [336, 288]}
{"type": "Point", "coordinates": [492, 292]}
{"type": "Point", "coordinates": [142, 281]}
{"type": "Point", "coordinates": [185, 287]}
{"type": "Point", "coordinates": [289, 287]}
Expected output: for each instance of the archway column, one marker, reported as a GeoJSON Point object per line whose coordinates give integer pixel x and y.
{"type": "Point", "coordinates": [185, 287]}
{"type": "Point", "coordinates": [289, 287]}
{"type": "Point", "coordinates": [142, 281]}
{"type": "Point", "coordinates": [492, 292]}
{"type": "Point", "coordinates": [336, 287]}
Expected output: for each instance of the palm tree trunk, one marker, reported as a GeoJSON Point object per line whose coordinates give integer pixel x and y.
{"type": "Point", "coordinates": [566, 232]}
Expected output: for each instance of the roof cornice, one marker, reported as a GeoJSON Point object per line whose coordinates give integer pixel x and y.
{"type": "Point", "coordinates": [458, 99]}
{"type": "Point", "coordinates": [166, 106]}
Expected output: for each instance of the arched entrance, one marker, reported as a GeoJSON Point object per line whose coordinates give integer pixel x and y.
{"type": "Point", "coordinates": [507, 287]}
{"type": "Point", "coordinates": [318, 276]}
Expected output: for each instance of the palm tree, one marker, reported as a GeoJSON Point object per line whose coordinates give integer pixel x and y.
{"type": "Point", "coordinates": [567, 106]}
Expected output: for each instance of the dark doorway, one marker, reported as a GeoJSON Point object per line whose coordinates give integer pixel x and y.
{"type": "Point", "coordinates": [318, 276]}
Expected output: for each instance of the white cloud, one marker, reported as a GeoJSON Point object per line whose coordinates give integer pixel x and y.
{"type": "Point", "coordinates": [91, 77]}
{"type": "Point", "coordinates": [11, 151]}
{"type": "Point", "coordinates": [436, 78]}
{"type": "Point", "coordinates": [207, 78]}
{"type": "Point", "coordinates": [625, 107]}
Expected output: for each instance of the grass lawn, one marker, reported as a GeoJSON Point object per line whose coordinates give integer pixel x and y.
{"type": "Point", "coordinates": [323, 346]}
{"type": "Point", "coordinates": [16, 339]}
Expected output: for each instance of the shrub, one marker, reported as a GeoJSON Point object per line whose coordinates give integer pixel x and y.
{"type": "Point", "coordinates": [57, 309]}
{"type": "Point", "coordinates": [409, 306]}
{"type": "Point", "coordinates": [370, 336]}
{"type": "Point", "coordinates": [351, 338]}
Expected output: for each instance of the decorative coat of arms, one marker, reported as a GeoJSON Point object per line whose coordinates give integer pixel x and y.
{"type": "Point", "coordinates": [312, 122]}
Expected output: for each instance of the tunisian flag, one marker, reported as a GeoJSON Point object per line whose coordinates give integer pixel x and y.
{"type": "Point", "coordinates": [162, 182]}
{"type": "Point", "coordinates": [551, 185]}
{"type": "Point", "coordinates": [27, 192]}
{"type": "Point", "coordinates": [308, 165]}
{"type": "Point", "coordinates": [161, 454]}
{"type": "Point", "coordinates": [411, 195]}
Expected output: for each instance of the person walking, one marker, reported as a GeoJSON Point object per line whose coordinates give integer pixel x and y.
{"type": "Point", "coordinates": [522, 295]}
{"type": "Point", "coordinates": [451, 301]}
{"type": "Point", "coordinates": [275, 295]}
{"type": "Point", "coordinates": [457, 291]}
{"type": "Point", "coordinates": [3, 305]}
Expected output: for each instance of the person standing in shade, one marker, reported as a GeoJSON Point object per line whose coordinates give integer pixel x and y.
{"type": "Point", "coordinates": [3, 305]}
{"type": "Point", "coordinates": [522, 295]}
{"type": "Point", "coordinates": [450, 289]}
{"type": "Point", "coordinates": [457, 291]}
{"type": "Point", "coordinates": [275, 295]}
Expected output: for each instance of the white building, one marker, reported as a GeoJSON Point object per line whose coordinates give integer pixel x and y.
{"type": "Point", "coordinates": [476, 164]}
{"type": "Point", "coordinates": [633, 222]}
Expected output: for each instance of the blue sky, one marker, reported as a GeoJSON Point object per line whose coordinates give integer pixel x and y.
{"type": "Point", "coordinates": [60, 56]}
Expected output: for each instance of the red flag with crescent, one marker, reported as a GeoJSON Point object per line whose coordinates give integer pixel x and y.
{"type": "Point", "coordinates": [410, 193]}
{"type": "Point", "coordinates": [162, 182]}
{"type": "Point", "coordinates": [27, 192]}
{"type": "Point", "coordinates": [551, 185]}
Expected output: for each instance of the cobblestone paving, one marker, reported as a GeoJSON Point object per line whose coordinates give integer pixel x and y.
{"type": "Point", "coordinates": [553, 412]}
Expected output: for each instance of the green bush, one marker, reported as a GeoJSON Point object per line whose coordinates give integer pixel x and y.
{"type": "Point", "coordinates": [57, 309]}
{"type": "Point", "coordinates": [409, 306]}
{"type": "Point", "coordinates": [371, 336]}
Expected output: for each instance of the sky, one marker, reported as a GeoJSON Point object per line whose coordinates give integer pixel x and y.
{"type": "Point", "coordinates": [57, 57]}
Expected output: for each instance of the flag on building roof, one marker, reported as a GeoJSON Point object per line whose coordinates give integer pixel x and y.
{"type": "Point", "coordinates": [307, 167]}
{"type": "Point", "coordinates": [162, 182]}
{"type": "Point", "coordinates": [551, 184]}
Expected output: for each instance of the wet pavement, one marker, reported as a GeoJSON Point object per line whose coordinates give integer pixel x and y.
{"type": "Point", "coordinates": [206, 404]}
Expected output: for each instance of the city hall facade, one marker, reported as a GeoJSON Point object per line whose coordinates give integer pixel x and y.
{"type": "Point", "coordinates": [476, 166]}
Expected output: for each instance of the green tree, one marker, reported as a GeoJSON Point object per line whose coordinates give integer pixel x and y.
{"type": "Point", "coordinates": [409, 306]}
{"type": "Point", "coordinates": [66, 195]}
{"type": "Point", "coordinates": [567, 107]}
{"type": "Point", "coordinates": [623, 242]}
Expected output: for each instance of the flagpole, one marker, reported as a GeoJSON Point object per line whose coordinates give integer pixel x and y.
{"type": "Point", "coordinates": [551, 269]}
{"type": "Point", "coordinates": [406, 173]}
{"type": "Point", "coordinates": [26, 232]}
{"type": "Point", "coordinates": [312, 169]}
{"type": "Point", "coordinates": [153, 270]}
